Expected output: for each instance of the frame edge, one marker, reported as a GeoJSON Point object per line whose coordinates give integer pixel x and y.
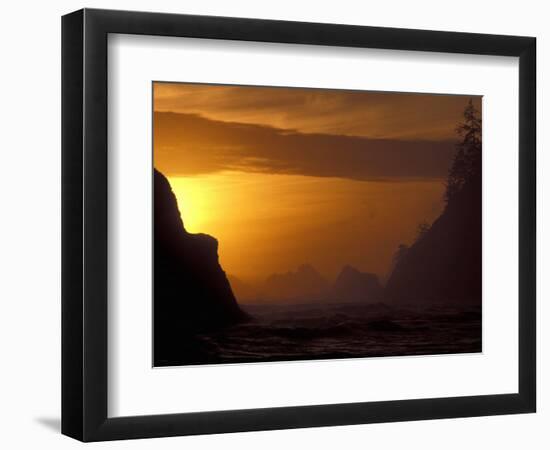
{"type": "Point", "coordinates": [72, 254]}
{"type": "Point", "coordinates": [84, 359]}
{"type": "Point", "coordinates": [527, 290]}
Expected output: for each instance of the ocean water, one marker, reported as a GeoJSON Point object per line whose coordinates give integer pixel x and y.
{"type": "Point", "coordinates": [328, 331]}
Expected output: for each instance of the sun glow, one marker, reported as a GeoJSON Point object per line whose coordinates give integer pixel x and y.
{"type": "Point", "coordinates": [268, 223]}
{"type": "Point", "coordinates": [194, 201]}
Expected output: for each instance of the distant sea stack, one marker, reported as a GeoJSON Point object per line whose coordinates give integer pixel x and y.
{"type": "Point", "coordinates": [191, 290]}
{"type": "Point", "coordinates": [351, 285]}
{"type": "Point", "coordinates": [304, 285]}
{"type": "Point", "coordinates": [444, 265]}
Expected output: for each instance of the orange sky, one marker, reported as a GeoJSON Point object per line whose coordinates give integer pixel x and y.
{"type": "Point", "coordinates": [284, 176]}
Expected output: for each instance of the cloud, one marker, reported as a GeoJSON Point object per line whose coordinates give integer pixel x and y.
{"type": "Point", "coordinates": [187, 144]}
{"type": "Point", "coordinates": [383, 115]}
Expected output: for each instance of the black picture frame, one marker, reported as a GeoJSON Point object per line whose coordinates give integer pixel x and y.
{"type": "Point", "coordinates": [84, 224]}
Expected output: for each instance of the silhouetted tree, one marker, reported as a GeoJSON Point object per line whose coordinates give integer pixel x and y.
{"type": "Point", "coordinates": [467, 160]}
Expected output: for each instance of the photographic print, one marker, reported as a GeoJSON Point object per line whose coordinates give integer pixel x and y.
{"type": "Point", "coordinates": [309, 224]}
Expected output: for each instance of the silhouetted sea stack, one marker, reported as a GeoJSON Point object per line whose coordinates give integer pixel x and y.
{"type": "Point", "coordinates": [304, 285]}
{"type": "Point", "coordinates": [444, 265]}
{"type": "Point", "coordinates": [191, 291]}
{"type": "Point", "coordinates": [355, 286]}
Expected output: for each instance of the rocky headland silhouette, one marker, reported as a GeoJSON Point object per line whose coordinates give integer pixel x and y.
{"type": "Point", "coordinates": [191, 291]}
{"type": "Point", "coordinates": [443, 265]}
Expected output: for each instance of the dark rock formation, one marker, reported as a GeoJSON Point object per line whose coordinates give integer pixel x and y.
{"type": "Point", "coordinates": [444, 264]}
{"type": "Point", "coordinates": [354, 286]}
{"type": "Point", "coordinates": [191, 291]}
{"type": "Point", "coordinates": [304, 285]}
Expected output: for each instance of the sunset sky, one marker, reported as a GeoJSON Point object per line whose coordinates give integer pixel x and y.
{"type": "Point", "coordinates": [287, 176]}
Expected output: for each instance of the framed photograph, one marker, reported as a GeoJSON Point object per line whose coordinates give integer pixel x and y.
{"type": "Point", "coordinates": [273, 224]}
